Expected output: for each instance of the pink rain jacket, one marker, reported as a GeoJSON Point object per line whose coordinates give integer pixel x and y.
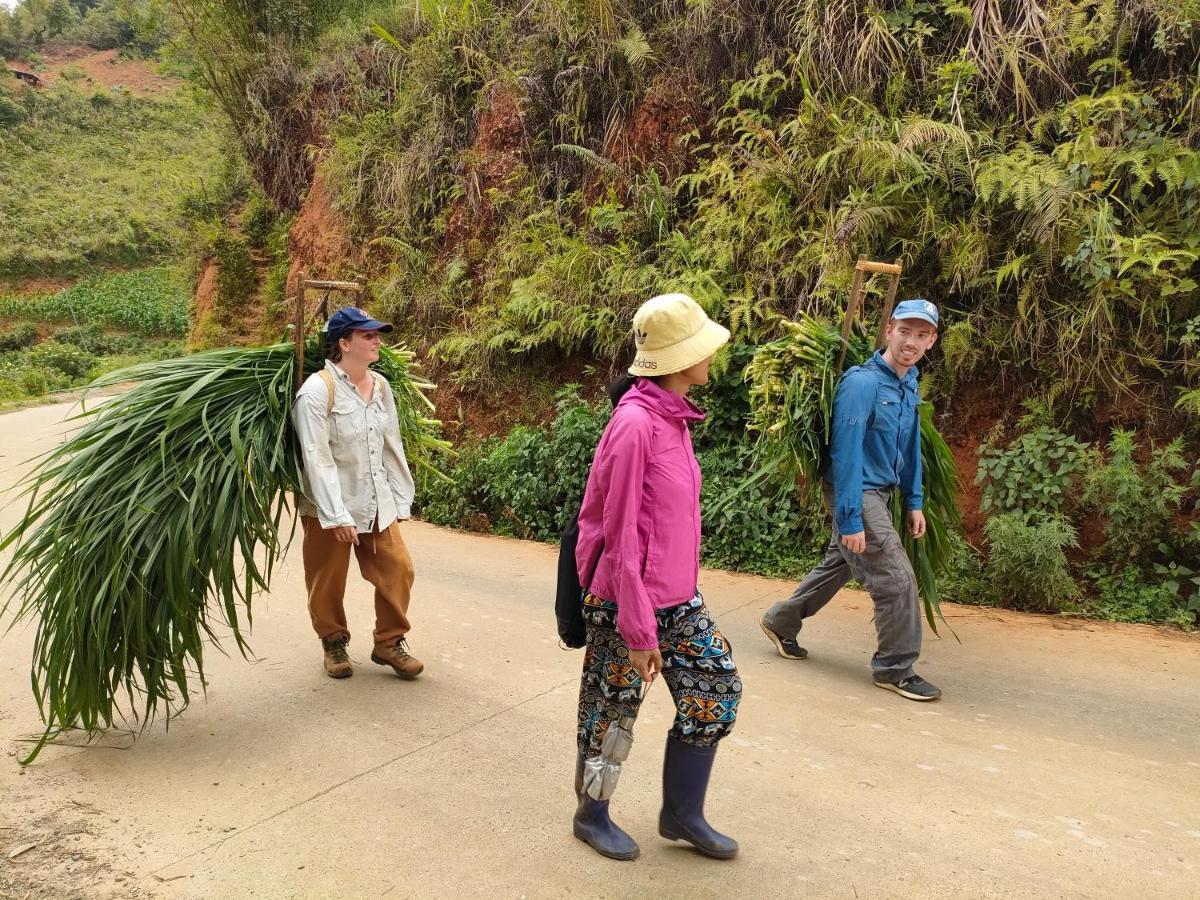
{"type": "Point", "coordinates": [641, 511]}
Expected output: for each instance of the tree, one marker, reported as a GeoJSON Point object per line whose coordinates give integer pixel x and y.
{"type": "Point", "coordinates": [61, 17]}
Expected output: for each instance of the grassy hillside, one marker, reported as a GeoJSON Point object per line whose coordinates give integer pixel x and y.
{"type": "Point", "coordinates": [99, 178]}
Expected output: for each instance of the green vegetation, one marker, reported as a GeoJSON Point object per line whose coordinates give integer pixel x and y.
{"type": "Point", "coordinates": [524, 174]}
{"type": "Point", "coordinates": [528, 483]}
{"type": "Point", "coordinates": [123, 318]}
{"type": "Point", "coordinates": [148, 302]}
{"type": "Point", "coordinates": [1032, 474]}
{"type": "Point", "coordinates": [140, 26]}
{"type": "Point", "coordinates": [1027, 563]}
{"type": "Point", "coordinates": [521, 174]}
{"type": "Point", "coordinates": [99, 179]}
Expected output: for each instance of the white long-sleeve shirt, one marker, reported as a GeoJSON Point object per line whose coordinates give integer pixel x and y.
{"type": "Point", "coordinates": [355, 471]}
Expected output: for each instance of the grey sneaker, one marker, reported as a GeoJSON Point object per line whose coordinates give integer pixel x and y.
{"type": "Point", "coordinates": [914, 688]}
{"type": "Point", "coordinates": [787, 647]}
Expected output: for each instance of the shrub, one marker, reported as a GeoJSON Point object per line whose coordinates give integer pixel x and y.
{"type": "Point", "coordinates": [1128, 596]}
{"type": "Point", "coordinates": [11, 390]}
{"type": "Point", "coordinates": [20, 336]}
{"type": "Point", "coordinates": [1032, 474]}
{"type": "Point", "coordinates": [965, 580]}
{"type": "Point", "coordinates": [545, 473]}
{"type": "Point", "coordinates": [1138, 501]}
{"type": "Point", "coordinates": [34, 382]}
{"type": "Point", "coordinates": [65, 358]}
{"type": "Point", "coordinates": [92, 339]}
{"type": "Point", "coordinates": [751, 529]}
{"type": "Point", "coordinates": [466, 501]}
{"type": "Point", "coordinates": [1026, 566]}
{"type": "Point", "coordinates": [257, 220]}
{"type": "Point", "coordinates": [526, 484]}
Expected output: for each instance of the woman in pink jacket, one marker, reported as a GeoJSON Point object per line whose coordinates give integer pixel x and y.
{"type": "Point", "coordinates": [638, 556]}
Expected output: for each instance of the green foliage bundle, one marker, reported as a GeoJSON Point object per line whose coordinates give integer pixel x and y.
{"type": "Point", "coordinates": [1027, 564]}
{"type": "Point", "coordinates": [146, 527]}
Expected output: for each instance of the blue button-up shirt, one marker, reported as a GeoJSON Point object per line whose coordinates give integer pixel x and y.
{"type": "Point", "coordinates": [876, 439]}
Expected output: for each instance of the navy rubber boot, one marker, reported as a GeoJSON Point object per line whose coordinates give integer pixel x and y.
{"type": "Point", "coordinates": [685, 782]}
{"type": "Point", "coordinates": [593, 826]}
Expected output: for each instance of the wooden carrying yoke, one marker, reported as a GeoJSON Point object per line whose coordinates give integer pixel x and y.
{"type": "Point", "coordinates": [302, 320]}
{"type": "Point", "coordinates": [862, 269]}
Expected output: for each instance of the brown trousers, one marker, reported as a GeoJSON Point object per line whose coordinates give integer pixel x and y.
{"type": "Point", "coordinates": [384, 562]}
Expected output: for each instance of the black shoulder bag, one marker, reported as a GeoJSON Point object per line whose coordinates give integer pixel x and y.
{"type": "Point", "coordinates": [568, 602]}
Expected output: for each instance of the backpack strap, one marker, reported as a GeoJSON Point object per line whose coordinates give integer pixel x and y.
{"type": "Point", "coordinates": [328, 379]}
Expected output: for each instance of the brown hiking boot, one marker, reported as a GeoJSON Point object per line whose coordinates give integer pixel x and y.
{"type": "Point", "coordinates": [397, 656]}
{"type": "Point", "coordinates": [337, 663]}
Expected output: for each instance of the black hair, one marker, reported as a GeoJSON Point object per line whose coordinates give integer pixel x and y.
{"type": "Point", "coordinates": [621, 386]}
{"type": "Point", "coordinates": [333, 349]}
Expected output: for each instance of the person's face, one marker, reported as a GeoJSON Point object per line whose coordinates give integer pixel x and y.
{"type": "Point", "coordinates": [361, 346]}
{"type": "Point", "coordinates": [909, 340]}
{"type": "Point", "coordinates": [697, 374]}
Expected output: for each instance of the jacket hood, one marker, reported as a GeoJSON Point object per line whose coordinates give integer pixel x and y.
{"type": "Point", "coordinates": [668, 404]}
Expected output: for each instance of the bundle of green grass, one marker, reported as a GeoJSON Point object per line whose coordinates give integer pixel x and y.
{"type": "Point", "coordinates": [793, 381]}
{"type": "Point", "coordinates": [158, 519]}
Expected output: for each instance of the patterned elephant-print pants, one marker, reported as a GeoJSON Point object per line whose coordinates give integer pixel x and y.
{"type": "Point", "coordinates": [697, 667]}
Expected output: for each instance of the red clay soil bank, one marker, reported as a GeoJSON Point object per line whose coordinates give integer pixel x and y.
{"type": "Point", "coordinates": [669, 110]}
{"type": "Point", "coordinates": [318, 243]}
{"type": "Point", "coordinates": [498, 153]}
{"type": "Point", "coordinates": [206, 296]}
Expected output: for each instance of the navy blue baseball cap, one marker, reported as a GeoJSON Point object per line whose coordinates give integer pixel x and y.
{"type": "Point", "coordinates": [350, 318]}
{"type": "Point", "coordinates": [917, 309]}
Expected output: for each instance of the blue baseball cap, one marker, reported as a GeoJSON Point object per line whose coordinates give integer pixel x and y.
{"type": "Point", "coordinates": [917, 309]}
{"type": "Point", "coordinates": [350, 318]}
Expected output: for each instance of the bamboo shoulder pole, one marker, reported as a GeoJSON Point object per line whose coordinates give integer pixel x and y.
{"type": "Point", "coordinates": [851, 311]}
{"type": "Point", "coordinates": [299, 323]}
{"type": "Point", "coordinates": [889, 303]}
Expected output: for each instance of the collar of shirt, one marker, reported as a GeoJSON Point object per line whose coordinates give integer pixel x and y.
{"type": "Point", "coordinates": [342, 376]}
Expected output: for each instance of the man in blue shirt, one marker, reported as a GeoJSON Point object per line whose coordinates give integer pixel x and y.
{"type": "Point", "coordinates": [876, 450]}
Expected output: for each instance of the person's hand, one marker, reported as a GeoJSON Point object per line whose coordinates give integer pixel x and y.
{"type": "Point", "coordinates": [856, 543]}
{"type": "Point", "coordinates": [916, 523]}
{"type": "Point", "coordinates": [647, 662]}
{"type": "Point", "coordinates": [347, 534]}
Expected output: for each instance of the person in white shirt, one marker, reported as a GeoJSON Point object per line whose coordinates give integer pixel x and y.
{"type": "Point", "coordinates": [357, 488]}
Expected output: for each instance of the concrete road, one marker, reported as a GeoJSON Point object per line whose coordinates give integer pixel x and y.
{"type": "Point", "coordinates": [1064, 760]}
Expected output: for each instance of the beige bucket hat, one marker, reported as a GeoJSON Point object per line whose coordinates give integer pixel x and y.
{"type": "Point", "coordinates": [672, 333]}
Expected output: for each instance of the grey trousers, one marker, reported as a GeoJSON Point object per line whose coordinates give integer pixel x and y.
{"type": "Point", "coordinates": [886, 573]}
